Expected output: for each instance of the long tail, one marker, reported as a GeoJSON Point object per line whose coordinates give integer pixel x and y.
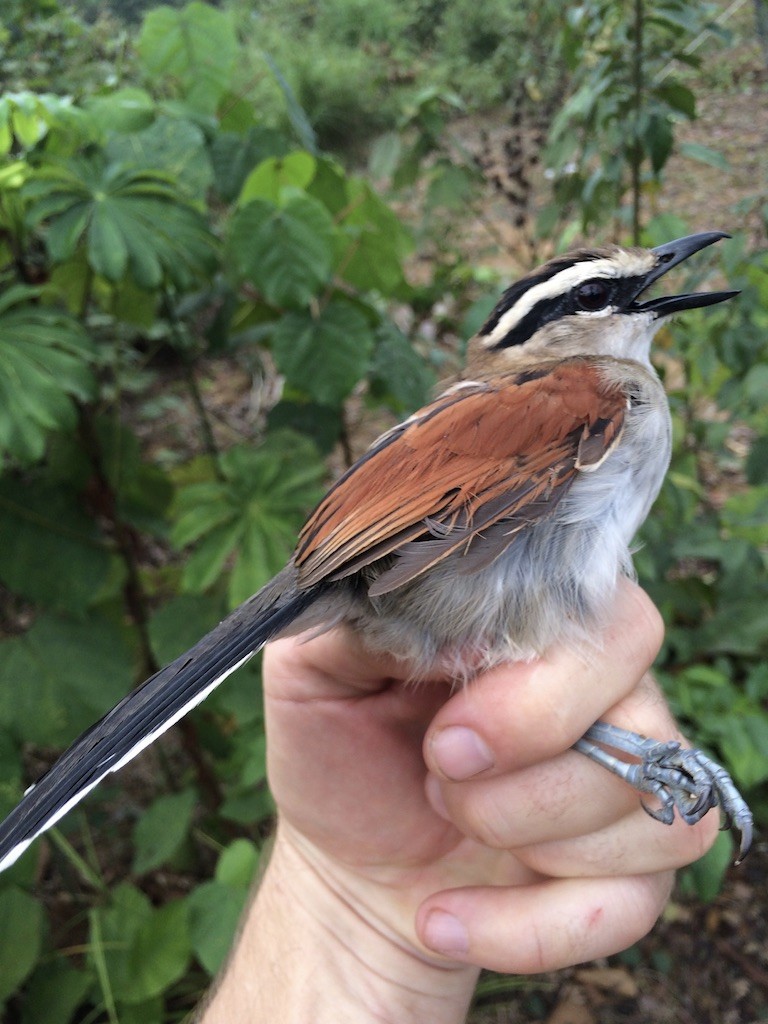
{"type": "Point", "coordinates": [144, 715]}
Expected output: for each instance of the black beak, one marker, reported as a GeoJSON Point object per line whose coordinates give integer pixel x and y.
{"type": "Point", "coordinates": [668, 256]}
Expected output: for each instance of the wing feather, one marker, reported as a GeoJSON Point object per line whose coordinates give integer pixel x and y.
{"type": "Point", "coordinates": [502, 450]}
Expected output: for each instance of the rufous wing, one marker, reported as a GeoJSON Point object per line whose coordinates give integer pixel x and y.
{"type": "Point", "coordinates": [504, 450]}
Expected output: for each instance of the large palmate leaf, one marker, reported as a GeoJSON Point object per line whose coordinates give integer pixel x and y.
{"type": "Point", "coordinates": [251, 516]}
{"type": "Point", "coordinates": [45, 360]}
{"type": "Point", "coordinates": [129, 221]}
{"type": "Point", "coordinates": [173, 143]}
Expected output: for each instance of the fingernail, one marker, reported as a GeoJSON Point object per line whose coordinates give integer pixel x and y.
{"type": "Point", "coordinates": [460, 753]}
{"type": "Point", "coordinates": [445, 933]}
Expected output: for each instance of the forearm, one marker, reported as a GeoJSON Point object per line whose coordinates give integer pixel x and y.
{"type": "Point", "coordinates": [314, 948]}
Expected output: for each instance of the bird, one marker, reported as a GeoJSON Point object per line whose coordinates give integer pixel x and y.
{"type": "Point", "coordinates": [489, 525]}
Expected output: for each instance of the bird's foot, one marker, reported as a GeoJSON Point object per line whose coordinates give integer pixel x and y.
{"type": "Point", "coordinates": [684, 780]}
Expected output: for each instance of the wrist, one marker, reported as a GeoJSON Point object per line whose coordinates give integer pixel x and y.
{"type": "Point", "coordinates": [322, 943]}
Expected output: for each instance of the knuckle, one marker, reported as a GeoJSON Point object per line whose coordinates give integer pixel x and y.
{"type": "Point", "coordinates": [486, 820]}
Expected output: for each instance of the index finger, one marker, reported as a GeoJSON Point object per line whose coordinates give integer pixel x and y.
{"type": "Point", "coordinates": [527, 712]}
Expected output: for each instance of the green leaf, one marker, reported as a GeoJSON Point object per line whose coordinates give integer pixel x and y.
{"type": "Point", "coordinates": [743, 738]}
{"type": "Point", "coordinates": [658, 140]}
{"type": "Point", "coordinates": [45, 364]}
{"type": "Point", "coordinates": [237, 864]}
{"type": "Point", "coordinates": [142, 490]}
{"type": "Point", "coordinates": [214, 913]}
{"type": "Point", "coordinates": [325, 356]}
{"type": "Point", "coordinates": [385, 155]}
{"type": "Point", "coordinates": [10, 774]}
{"type": "Point", "coordinates": [112, 930]}
{"type": "Point", "coordinates": [143, 950]}
{"type": "Point", "coordinates": [252, 514]}
{"type": "Point", "coordinates": [65, 674]}
{"type": "Point", "coordinates": [757, 461]}
{"type": "Point", "coordinates": [739, 627]}
{"type": "Point", "coordinates": [296, 115]}
{"type": "Point", "coordinates": [149, 1011]}
{"type": "Point", "coordinates": [180, 622]}
{"type": "Point", "coordinates": [57, 558]}
{"type": "Point", "coordinates": [21, 921]}
{"type": "Point", "coordinates": [450, 187]}
{"type": "Point", "coordinates": [172, 145]}
{"type": "Point", "coordinates": [54, 992]}
{"type": "Point", "coordinates": [320, 422]}
{"type": "Point", "coordinates": [285, 251]}
{"type": "Point", "coordinates": [234, 156]}
{"type": "Point", "coordinates": [329, 185]}
{"type": "Point", "coordinates": [208, 561]}
{"type": "Point", "coordinates": [107, 246]}
{"type": "Point", "coordinates": [268, 180]}
{"type": "Point", "coordinates": [195, 48]}
{"type": "Point", "coordinates": [399, 375]}
{"type": "Point", "coordinates": [704, 878]}
{"type": "Point", "coordinates": [745, 515]}
{"type": "Point", "coordinates": [372, 242]}
{"type": "Point", "coordinates": [128, 219]}
{"type": "Point", "coordinates": [679, 97]}
{"type": "Point", "coordinates": [125, 110]}
{"type": "Point", "coordinates": [159, 953]}
{"type": "Point", "coordinates": [705, 155]}
{"type": "Point", "coordinates": [162, 829]}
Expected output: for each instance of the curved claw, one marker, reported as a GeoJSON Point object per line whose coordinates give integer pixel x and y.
{"type": "Point", "coordinates": [682, 779]}
{"type": "Point", "coordinates": [665, 814]}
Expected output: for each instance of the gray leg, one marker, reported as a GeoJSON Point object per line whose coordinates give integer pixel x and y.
{"type": "Point", "coordinates": [684, 780]}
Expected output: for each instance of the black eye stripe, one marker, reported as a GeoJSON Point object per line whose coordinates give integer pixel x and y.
{"type": "Point", "coordinates": [621, 291]}
{"type": "Point", "coordinates": [544, 312]}
{"type": "Point", "coordinates": [515, 292]}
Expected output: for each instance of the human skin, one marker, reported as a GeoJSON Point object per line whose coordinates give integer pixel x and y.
{"type": "Point", "coordinates": [424, 833]}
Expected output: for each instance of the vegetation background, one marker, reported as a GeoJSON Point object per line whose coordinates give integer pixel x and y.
{"type": "Point", "coordinates": [236, 241]}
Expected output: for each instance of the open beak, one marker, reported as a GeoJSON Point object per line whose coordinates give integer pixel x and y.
{"type": "Point", "coordinates": [668, 256]}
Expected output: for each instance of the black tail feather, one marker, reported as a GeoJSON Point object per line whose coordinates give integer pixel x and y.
{"type": "Point", "coordinates": [142, 716]}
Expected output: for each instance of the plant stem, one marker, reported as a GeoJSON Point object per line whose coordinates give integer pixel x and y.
{"type": "Point", "coordinates": [125, 538]}
{"type": "Point", "coordinates": [206, 429]}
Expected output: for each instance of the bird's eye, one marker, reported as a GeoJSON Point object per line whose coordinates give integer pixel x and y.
{"type": "Point", "coordinates": [592, 296]}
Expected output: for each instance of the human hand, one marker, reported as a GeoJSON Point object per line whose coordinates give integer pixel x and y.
{"type": "Point", "coordinates": [542, 856]}
{"type": "Point", "coordinates": [424, 834]}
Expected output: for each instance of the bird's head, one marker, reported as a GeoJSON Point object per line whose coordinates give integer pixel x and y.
{"type": "Point", "coordinates": [588, 302]}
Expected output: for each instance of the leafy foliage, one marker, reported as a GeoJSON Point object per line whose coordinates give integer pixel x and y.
{"type": "Point", "coordinates": [160, 236]}
{"type": "Point", "coordinates": [253, 512]}
{"type": "Point", "coordinates": [127, 220]}
{"type": "Point", "coordinates": [46, 365]}
{"type": "Point", "coordinates": [618, 123]}
{"type": "Point", "coordinates": [134, 225]}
